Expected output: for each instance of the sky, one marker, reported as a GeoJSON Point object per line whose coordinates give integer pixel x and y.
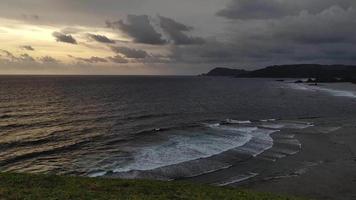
{"type": "Point", "coordinates": [166, 37]}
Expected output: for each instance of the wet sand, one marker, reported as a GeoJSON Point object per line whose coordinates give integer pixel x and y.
{"type": "Point", "coordinates": [324, 167]}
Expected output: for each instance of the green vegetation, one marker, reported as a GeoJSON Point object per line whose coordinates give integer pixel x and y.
{"type": "Point", "coordinates": [26, 186]}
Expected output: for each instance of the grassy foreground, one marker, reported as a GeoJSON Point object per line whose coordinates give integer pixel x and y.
{"type": "Point", "coordinates": [36, 187]}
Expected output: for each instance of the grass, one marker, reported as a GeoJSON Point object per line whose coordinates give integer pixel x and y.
{"type": "Point", "coordinates": [37, 187]}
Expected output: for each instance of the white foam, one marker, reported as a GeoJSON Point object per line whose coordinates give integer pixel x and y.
{"type": "Point", "coordinates": [236, 129]}
{"type": "Point", "coordinates": [232, 121]}
{"type": "Point", "coordinates": [333, 92]}
{"type": "Point", "coordinates": [300, 86]}
{"type": "Point", "coordinates": [209, 171]}
{"type": "Point", "coordinates": [289, 125]}
{"type": "Point", "coordinates": [183, 148]}
{"type": "Point", "coordinates": [261, 139]}
{"type": "Point", "coordinates": [202, 143]}
{"type": "Point", "coordinates": [257, 146]}
{"type": "Point", "coordinates": [338, 93]}
{"type": "Point", "coordinates": [272, 126]}
{"type": "Point", "coordinates": [236, 179]}
{"type": "Point", "coordinates": [213, 125]}
{"type": "Point", "coordinates": [268, 120]}
{"type": "Point", "coordinates": [97, 174]}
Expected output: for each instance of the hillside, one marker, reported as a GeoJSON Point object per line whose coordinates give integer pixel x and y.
{"type": "Point", "coordinates": [25, 186]}
{"type": "Point", "coordinates": [330, 72]}
{"type": "Point", "coordinates": [226, 72]}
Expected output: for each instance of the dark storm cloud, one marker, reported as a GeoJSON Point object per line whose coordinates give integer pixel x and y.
{"type": "Point", "coordinates": [117, 59]}
{"type": "Point", "coordinates": [66, 38]}
{"type": "Point", "coordinates": [175, 32]}
{"type": "Point", "coordinates": [325, 37]}
{"type": "Point", "coordinates": [272, 9]}
{"type": "Point", "coordinates": [101, 38]}
{"type": "Point", "coordinates": [333, 25]}
{"type": "Point", "coordinates": [210, 52]}
{"type": "Point", "coordinates": [130, 52]}
{"type": "Point", "coordinates": [27, 47]}
{"type": "Point", "coordinates": [254, 9]}
{"type": "Point", "coordinates": [317, 32]}
{"type": "Point", "coordinates": [220, 54]}
{"type": "Point", "coordinates": [139, 28]}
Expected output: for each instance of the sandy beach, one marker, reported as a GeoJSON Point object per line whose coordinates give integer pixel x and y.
{"type": "Point", "coordinates": [324, 168]}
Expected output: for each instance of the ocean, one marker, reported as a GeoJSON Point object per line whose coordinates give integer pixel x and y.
{"type": "Point", "coordinates": [160, 127]}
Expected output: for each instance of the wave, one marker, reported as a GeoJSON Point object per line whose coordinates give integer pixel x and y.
{"type": "Point", "coordinates": [196, 151]}
{"type": "Point", "coordinates": [232, 121]}
{"type": "Point", "coordinates": [5, 116]}
{"type": "Point", "coordinates": [333, 92]}
{"type": "Point", "coordinates": [338, 93]}
{"type": "Point", "coordinates": [147, 116]}
{"type": "Point", "coordinates": [268, 120]}
{"type": "Point", "coordinates": [199, 143]}
{"type": "Point", "coordinates": [286, 125]}
{"type": "Point", "coordinates": [236, 179]}
{"type": "Point", "coordinates": [36, 152]}
{"type": "Point", "coordinates": [183, 148]}
{"type": "Point", "coordinates": [171, 152]}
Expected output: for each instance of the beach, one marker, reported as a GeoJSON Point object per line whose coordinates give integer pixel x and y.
{"type": "Point", "coordinates": [325, 167]}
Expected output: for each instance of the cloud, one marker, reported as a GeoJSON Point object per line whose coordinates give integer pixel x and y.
{"type": "Point", "coordinates": [322, 33]}
{"type": "Point", "coordinates": [12, 58]}
{"type": "Point", "coordinates": [139, 28]}
{"type": "Point", "coordinates": [324, 37]}
{"type": "Point", "coordinates": [66, 38]}
{"type": "Point", "coordinates": [26, 58]}
{"type": "Point", "coordinates": [210, 52]}
{"type": "Point", "coordinates": [333, 25]}
{"type": "Point", "coordinates": [27, 47]}
{"type": "Point", "coordinates": [48, 59]}
{"type": "Point", "coordinates": [71, 30]}
{"type": "Point", "coordinates": [254, 9]}
{"type": "Point", "coordinates": [30, 17]}
{"type": "Point", "coordinates": [274, 9]}
{"type": "Point", "coordinates": [101, 38]}
{"type": "Point", "coordinates": [175, 32]}
{"type": "Point", "coordinates": [8, 54]}
{"type": "Point", "coordinates": [130, 53]}
{"type": "Point", "coordinates": [93, 59]}
{"type": "Point", "coordinates": [117, 59]}
{"type": "Point", "coordinates": [248, 32]}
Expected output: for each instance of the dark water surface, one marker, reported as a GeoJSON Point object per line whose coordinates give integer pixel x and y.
{"type": "Point", "coordinates": [91, 125]}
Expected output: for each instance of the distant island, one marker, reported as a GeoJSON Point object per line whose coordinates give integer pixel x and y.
{"type": "Point", "coordinates": [314, 72]}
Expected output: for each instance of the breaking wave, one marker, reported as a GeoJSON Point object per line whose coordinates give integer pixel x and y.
{"type": "Point", "coordinates": [333, 92]}
{"type": "Point", "coordinates": [199, 144]}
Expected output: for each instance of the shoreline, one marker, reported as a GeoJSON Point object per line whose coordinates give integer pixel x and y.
{"type": "Point", "coordinates": [324, 168]}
